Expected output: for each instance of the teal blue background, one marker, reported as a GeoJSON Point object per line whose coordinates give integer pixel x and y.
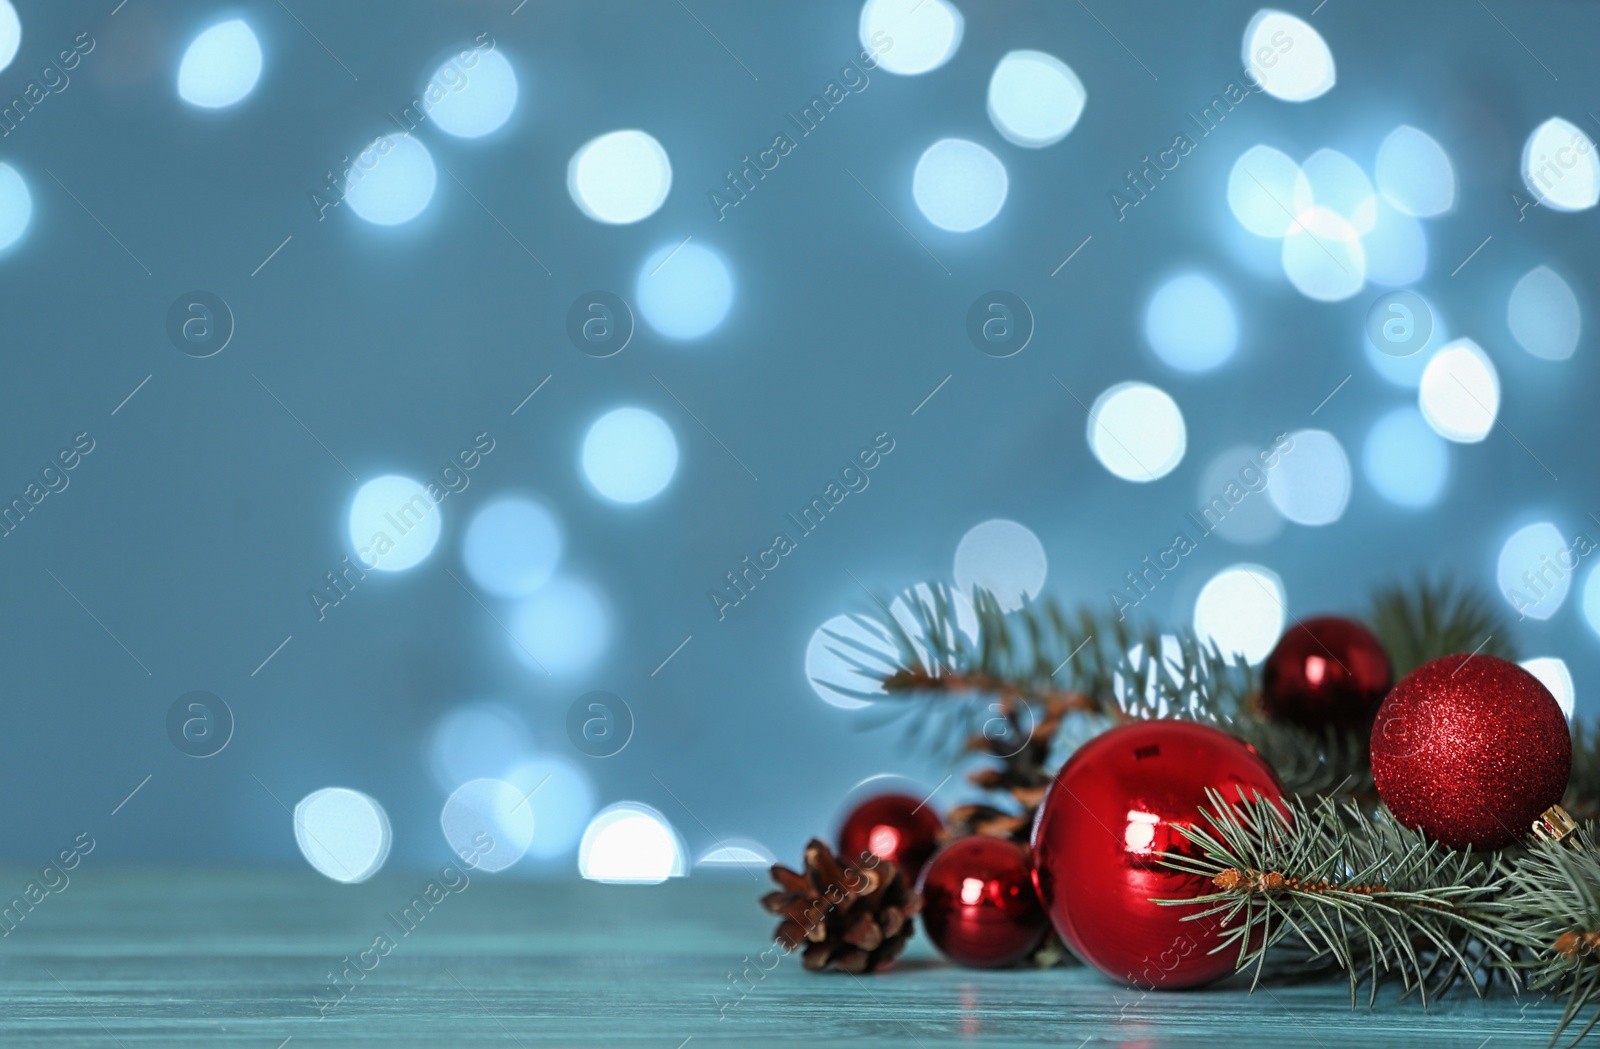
{"type": "Point", "coordinates": [204, 515]}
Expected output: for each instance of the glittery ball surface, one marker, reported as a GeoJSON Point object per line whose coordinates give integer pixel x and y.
{"type": "Point", "coordinates": [1470, 749]}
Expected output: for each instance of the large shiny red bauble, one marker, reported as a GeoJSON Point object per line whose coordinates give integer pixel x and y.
{"type": "Point", "coordinates": [894, 827]}
{"type": "Point", "coordinates": [1113, 809]}
{"type": "Point", "coordinates": [1327, 671]}
{"type": "Point", "coordinates": [979, 905]}
{"type": "Point", "coordinates": [1469, 749]}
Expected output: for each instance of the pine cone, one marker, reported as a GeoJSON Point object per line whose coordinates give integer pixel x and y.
{"type": "Point", "coordinates": [979, 818]}
{"type": "Point", "coordinates": [966, 820]}
{"type": "Point", "coordinates": [1023, 751]}
{"type": "Point", "coordinates": [854, 919]}
{"type": "Point", "coordinates": [1051, 953]}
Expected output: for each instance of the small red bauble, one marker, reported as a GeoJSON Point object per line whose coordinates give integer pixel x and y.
{"type": "Point", "coordinates": [979, 905]}
{"type": "Point", "coordinates": [1326, 671]}
{"type": "Point", "coordinates": [893, 827]}
{"type": "Point", "coordinates": [1469, 749]}
{"type": "Point", "coordinates": [1113, 809]}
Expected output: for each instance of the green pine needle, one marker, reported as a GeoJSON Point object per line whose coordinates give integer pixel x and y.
{"type": "Point", "coordinates": [1429, 619]}
{"type": "Point", "coordinates": [1352, 885]}
{"type": "Point", "coordinates": [1556, 889]}
{"type": "Point", "coordinates": [1583, 785]}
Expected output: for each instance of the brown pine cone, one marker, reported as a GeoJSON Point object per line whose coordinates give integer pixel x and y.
{"type": "Point", "coordinates": [1023, 751]}
{"type": "Point", "coordinates": [854, 919]}
{"type": "Point", "coordinates": [979, 818]}
{"type": "Point", "coordinates": [966, 820]}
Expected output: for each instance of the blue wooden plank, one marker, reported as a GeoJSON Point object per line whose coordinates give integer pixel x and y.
{"type": "Point", "coordinates": [168, 958]}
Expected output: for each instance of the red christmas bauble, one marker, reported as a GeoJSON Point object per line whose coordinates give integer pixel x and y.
{"type": "Point", "coordinates": [1469, 749]}
{"type": "Point", "coordinates": [1326, 671]}
{"type": "Point", "coordinates": [1113, 809]}
{"type": "Point", "coordinates": [979, 905]}
{"type": "Point", "coordinates": [894, 827]}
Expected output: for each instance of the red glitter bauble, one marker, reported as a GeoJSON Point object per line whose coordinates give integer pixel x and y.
{"type": "Point", "coordinates": [1326, 671]}
{"type": "Point", "coordinates": [1113, 809]}
{"type": "Point", "coordinates": [979, 905]}
{"type": "Point", "coordinates": [1470, 749]}
{"type": "Point", "coordinates": [894, 827]}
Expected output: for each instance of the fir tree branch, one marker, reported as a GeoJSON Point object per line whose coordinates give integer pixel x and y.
{"type": "Point", "coordinates": [1197, 682]}
{"type": "Point", "coordinates": [1428, 619]}
{"type": "Point", "coordinates": [1041, 667]}
{"type": "Point", "coordinates": [1583, 785]}
{"type": "Point", "coordinates": [1352, 885]}
{"type": "Point", "coordinates": [1555, 886]}
{"type": "Point", "coordinates": [970, 662]}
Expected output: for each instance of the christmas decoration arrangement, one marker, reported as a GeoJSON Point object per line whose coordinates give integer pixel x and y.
{"type": "Point", "coordinates": [1395, 801]}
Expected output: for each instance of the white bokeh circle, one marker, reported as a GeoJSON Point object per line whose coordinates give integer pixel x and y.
{"type": "Point", "coordinates": [488, 824]}
{"type": "Point", "coordinates": [1311, 483]}
{"type": "Point", "coordinates": [1137, 432]}
{"type": "Point", "coordinates": [959, 185]}
{"type": "Point", "coordinates": [1190, 323]}
{"type": "Point", "coordinates": [1288, 57]}
{"type": "Point", "coordinates": [472, 101]}
{"type": "Point", "coordinates": [221, 66]}
{"type": "Point", "coordinates": [619, 177]}
{"type": "Point", "coordinates": [394, 523]}
{"type": "Point", "coordinates": [1330, 179]}
{"type": "Point", "coordinates": [1460, 392]}
{"type": "Point", "coordinates": [629, 455]}
{"type": "Point", "coordinates": [391, 181]}
{"type": "Point", "coordinates": [685, 290]}
{"type": "Point", "coordinates": [909, 37]}
{"type": "Point", "coordinates": [342, 833]}
{"type": "Point", "coordinates": [562, 628]}
{"type": "Point", "coordinates": [512, 546]}
{"type": "Point", "coordinates": [1241, 611]}
{"type": "Point", "coordinates": [1415, 174]}
{"type": "Point", "coordinates": [631, 843]}
{"type": "Point", "coordinates": [10, 33]}
{"type": "Point", "coordinates": [1535, 568]}
{"type": "Point", "coordinates": [1560, 166]}
{"type": "Point", "coordinates": [848, 655]}
{"type": "Point", "coordinates": [1003, 557]}
{"type": "Point", "coordinates": [1261, 187]}
{"type": "Point", "coordinates": [1544, 316]}
{"type": "Point", "coordinates": [16, 206]}
{"type": "Point", "coordinates": [1323, 256]}
{"type": "Point", "coordinates": [1035, 99]}
{"type": "Point", "coordinates": [1554, 675]}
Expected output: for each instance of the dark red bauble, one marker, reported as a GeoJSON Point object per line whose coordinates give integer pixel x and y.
{"type": "Point", "coordinates": [894, 827]}
{"type": "Point", "coordinates": [1469, 749]}
{"type": "Point", "coordinates": [1113, 809]}
{"type": "Point", "coordinates": [1327, 671]}
{"type": "Point", "coordinates": [979, 905]}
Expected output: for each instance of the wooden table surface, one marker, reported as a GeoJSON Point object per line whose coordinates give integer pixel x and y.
{"type": "Point", "coordinates": [240, 958]}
